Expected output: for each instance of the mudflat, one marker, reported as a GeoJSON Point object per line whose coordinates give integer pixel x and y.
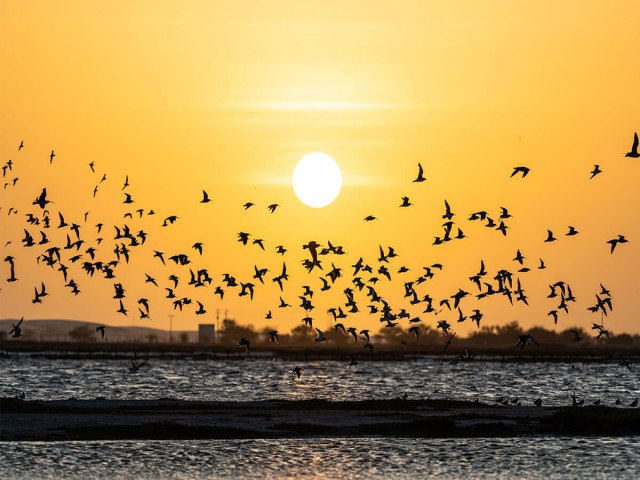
{"type": "Point", "coordinates": [177, 419]}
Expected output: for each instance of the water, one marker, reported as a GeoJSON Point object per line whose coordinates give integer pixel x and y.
{"type": "Point", "coordinates": [253, 379]}
{"type": "Point", "coordinates": [355, 458]}
{"type": "Point", "coordinates": [370, 458]}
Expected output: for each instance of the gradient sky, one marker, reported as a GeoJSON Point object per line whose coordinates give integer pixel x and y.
{"type": "Point", "coordinates": [228, 96]}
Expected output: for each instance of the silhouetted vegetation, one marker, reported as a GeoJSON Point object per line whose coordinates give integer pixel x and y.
{"type": "Point", "coordinates": [486, 336]}
{"type": "Point", "coordinates": [388, 338]}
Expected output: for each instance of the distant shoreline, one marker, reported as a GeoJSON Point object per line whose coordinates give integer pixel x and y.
{"type": "Point", "coordinates": [165, 419]}
{"type": "Point", "coordinates": [118, 350]}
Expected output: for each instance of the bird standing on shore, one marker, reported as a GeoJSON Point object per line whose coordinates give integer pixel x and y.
{"type": "Point", "coordinates": [243, 342]}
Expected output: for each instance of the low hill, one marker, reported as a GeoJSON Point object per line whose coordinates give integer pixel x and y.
{"type": "Point", "coordinates": [61, 330]}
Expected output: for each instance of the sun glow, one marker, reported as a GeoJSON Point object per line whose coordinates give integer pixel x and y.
{"type": "Point", "coordinates": [317, 180]}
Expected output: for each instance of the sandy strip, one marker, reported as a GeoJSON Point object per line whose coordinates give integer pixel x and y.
{"type": "Point", "coordinates": [172, 419]}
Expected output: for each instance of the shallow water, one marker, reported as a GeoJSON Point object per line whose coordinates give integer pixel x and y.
{"type": "Point", "coordinates": [257, 379]}
{"type": "Point", "coordinates": [370, 458]}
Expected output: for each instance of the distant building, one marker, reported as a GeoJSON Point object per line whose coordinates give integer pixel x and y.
{"type": "Point", "coordinates": [206, 333]}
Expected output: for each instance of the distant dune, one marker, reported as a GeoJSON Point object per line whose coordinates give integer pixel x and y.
{"type": "Point", "coordinates": [55, 329]}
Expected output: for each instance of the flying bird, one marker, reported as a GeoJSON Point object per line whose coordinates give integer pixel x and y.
{"type": "Point", "coordinates": [198, 247]}
{"type": "Point", "coordinates": [614, 242]}
{"type": "Point", "coordinates": [320, 337]}
{"type": "Point", "coordinates": [101, 330]}
{"type": "Point", "coordinates": [420, 177]}
{"type": "Point", "coordinates": [134, 367]}
{"type": "Point", "coordinates": [523, 170]}
{"type": "Point", "coordinates": [16, 331]}
{"type": "Point", "coordinates": [205, 197]}
{"type": "Point", "coordinates": [41, 200]}
{"type": "Point", "coordinates": [634, 148]}
{"type": "Point", "coordinates": [122, 310]}
{"type": "Point", "coordinates": [200, 310]}
{"type": "Point", "coordinates": [596, 170]}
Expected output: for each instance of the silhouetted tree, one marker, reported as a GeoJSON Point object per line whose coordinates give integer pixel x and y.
{"type": "Point", "coordinates": [232, 331]}
{"type": "Point", "coordinates": [83, 333]}
{"type": "Point", "coordinates": [302, 334]}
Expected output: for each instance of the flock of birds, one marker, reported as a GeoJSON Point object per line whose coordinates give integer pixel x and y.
{"type": "Point", "coordinates": [95, 250]}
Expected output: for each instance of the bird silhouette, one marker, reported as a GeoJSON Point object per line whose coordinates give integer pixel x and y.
{"type": "Point", "coordinates": [614, 242]}
{"type": "Point", "coordinates": [243, 342]}
{"type": "Point", "coordinates": [41, 200]}
{"type": "Point", "coordinates": [405, 202]}
{"type": "Point", "coordinates": [101, 329]}
{"type": "Point", "coordinates": [205, 197]}
{"type": "Point", "coordinates": [576, 337]}
{"type": "Point", "coordinates": [134, 367]}
{"type": "Point", "coordinates": [122, 310]}
{"type": "Point", "coordinates": [448, 214]}
{"type": "Point", "coordinates": [633, 153]}
{"type": "Point", "coordinates": [596, 170]}
{"type": "Point", "coordinates": [200, 310]}
{"type": "Point", "coordinates": [522, 170]}
{"type": "Point", "coordinates": [16, 330]}
{"type": "Point", "coordinates": [420, 177]}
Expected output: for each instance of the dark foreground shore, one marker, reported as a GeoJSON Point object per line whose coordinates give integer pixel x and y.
{"type": "Point", "coordinates": [172, 419]}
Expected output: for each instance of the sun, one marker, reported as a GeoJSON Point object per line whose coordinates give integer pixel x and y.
{"type": "Point", "coordinates": [317, 180]}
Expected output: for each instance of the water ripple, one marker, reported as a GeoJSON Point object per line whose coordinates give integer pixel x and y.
{"type": "Point", "coordinates": [261, 379]}
{"type": "Point", "coordinates": [370, 458]}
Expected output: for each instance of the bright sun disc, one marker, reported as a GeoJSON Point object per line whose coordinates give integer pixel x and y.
{"type": "Point", "coordinates": [317, 180]}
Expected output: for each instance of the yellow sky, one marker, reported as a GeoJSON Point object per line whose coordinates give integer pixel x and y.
{"type": "Point", "coordinates": [227, 96]}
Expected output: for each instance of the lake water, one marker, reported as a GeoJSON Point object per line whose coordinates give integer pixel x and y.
{"type": "Point", "coordinates": [329, 458]}
{"type": "Point", "coordinates": [259, 379]}
{"type": "Point", "coordinates": [367, 458]}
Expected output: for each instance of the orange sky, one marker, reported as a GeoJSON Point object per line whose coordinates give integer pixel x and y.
{"type": "Point", "coordinates": [228, 96]}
